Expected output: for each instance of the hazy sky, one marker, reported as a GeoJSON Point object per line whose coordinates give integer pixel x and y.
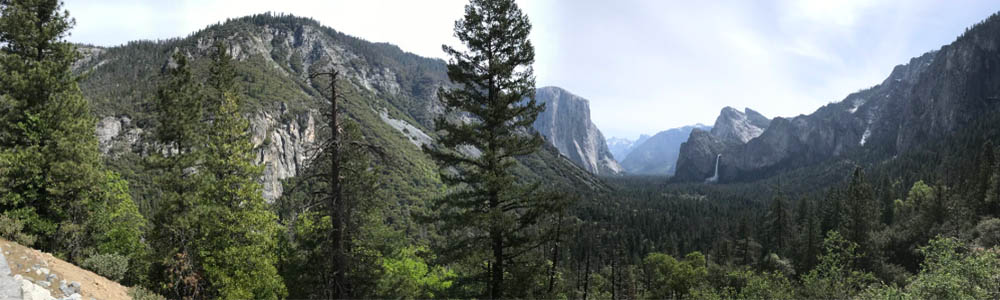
{"type": "Point", "coordinates": [646, 66]}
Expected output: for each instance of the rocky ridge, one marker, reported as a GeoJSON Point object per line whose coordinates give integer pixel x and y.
{"type": "Point", "coordinates": [658, 154]}
{"type": "Point", "coordinates": [933, 97]}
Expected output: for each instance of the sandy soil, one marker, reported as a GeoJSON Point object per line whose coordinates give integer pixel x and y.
{"type": "Point", "coordinates": [22, 259]}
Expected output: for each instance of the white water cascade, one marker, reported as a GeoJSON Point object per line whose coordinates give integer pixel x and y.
{"type": "Point", "coordinates": [715, 177]}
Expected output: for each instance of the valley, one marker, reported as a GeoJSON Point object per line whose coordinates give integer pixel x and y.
{"type": "Point", "coordinates": [209, 166]}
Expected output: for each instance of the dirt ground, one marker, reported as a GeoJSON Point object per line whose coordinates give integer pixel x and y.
{"type": "Point", "coordinates": [22, 260]}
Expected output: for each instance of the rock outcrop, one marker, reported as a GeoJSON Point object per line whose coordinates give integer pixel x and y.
{"type": "Point", "coordinates": [697, 157]}
{"type": "Point", "coordinates": [566, 124]}
{"type": "Point", "coordinates": [658, 154]}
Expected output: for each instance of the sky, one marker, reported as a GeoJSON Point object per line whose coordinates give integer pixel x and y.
{"type": "Point", "coordinates": [645, 66]}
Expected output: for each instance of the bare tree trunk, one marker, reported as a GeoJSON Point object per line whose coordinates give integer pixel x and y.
{"type": "Point", "coordinates": [337, 286]}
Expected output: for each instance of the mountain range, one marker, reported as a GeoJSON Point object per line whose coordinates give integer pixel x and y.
{"type": "Point", "coordinates": [657, 155]}
{"type": "Point", "coordinates": [390, 93]}
{"type": "Point", "coordinates": [933, 100]}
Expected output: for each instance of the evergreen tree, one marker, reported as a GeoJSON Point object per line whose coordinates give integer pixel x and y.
{"type": "Point", "coordinates": [51, 177]}
{"type": "Point", "coordinates": [860, 213]}
{"type": "Point", "coordinates": [777, 225]}
{"type": "Point", "coordinates": [810, 237]}
{"type": "Point", "coordinates": [240, 250]}
{"type": "Point", "coordinates": [216, 235]}
{"type": "Point", "coordinates": [180, 137]}
{"type": "Point", "coordinates": [494, 77]}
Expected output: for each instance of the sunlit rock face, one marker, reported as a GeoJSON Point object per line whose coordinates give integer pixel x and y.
{"type": "Point", "coordinates": [566, 124]}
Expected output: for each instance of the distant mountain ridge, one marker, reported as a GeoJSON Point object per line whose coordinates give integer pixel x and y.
{"type": "Point", "coordinates": [621, 147]}
{"type": "Point", "coordinates": [932, 98]}
{"type": "Point", "coordinates": [566, 124]}
{"type": "Point", "coordinates": [658, 154]}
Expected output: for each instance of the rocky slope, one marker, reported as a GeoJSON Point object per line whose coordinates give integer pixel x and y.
{"type": "Point", "coordinates": [696, 157]}
{"type": "Point", "coordinates": [658, 154]}
{"type": "Point", "coordinates": [566, 124]}
{"type": "Point", "coordinates": [390, 93]}
{"type": "Point", "coordinates": [932, 98]}
{"type": "Point", "coordinates": [26, 273]}
{"type": "Point", "coordinates": [621, 147]}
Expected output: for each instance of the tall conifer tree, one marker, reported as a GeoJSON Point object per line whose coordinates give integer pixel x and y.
{"type": "Point", "coordinates": [51, 175]}
{"type": "Point", "coordinates": [494, 78]}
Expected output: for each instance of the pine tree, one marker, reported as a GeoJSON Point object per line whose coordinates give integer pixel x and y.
{"type": "Point", "coordinates": [180, 139]}
{"type": "Point", "coordinates": [216, 235]}
{"type": "Point", "coordinates": [51, 175]}
{"type": "Point", "coordinates": [810, 237]}
{"type": "Point", "coordinates": [240, 250]}
{"type": "Point", "coordinates": [860, 213]}
{"type": "Point", "coordinates": [777, 225]}
{"type": "Point", "coordinates": [477, 156]}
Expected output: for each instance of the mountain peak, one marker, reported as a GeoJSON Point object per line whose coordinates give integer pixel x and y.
{"type": "Point", "coordinates": [733, 125]}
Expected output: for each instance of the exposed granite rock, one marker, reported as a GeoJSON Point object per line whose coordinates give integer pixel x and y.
{"type": "Point", "coordinates": [566, 124]}
{"type": "Point", "coordinates": [283, 142]}
{"type": "Point", "coordinates": [933, 97]}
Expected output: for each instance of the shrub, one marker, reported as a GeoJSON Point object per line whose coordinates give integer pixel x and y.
{"type": "Point", "coordinates": [13, 229]}
{"type": "Point", "coordinates": [111, 266]}
{"type": "Point", "coordinates": [141, 293]}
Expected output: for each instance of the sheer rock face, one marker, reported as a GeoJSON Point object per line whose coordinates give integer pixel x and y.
{"type": "Point", "coordinates": [566, 124]}
{"type": "Point", "coordinates": [283, 143]}
{"type": "Point", "coordinates": [935, 96]}
{"type": "Point", "coordinates": [658, 154]}
{"type": "Point", "coordinates": [696, 158]}
{"type": "Point", "coordinates": [282, 146]}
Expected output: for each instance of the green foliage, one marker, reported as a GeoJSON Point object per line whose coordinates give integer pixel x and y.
{"type": "Point", "coordinates": [488, 209]}
{"type": "Point", "coordinates": [988, 233]}
{"type": "Point", "coordinates": [406, 275]}
{"type": "Point", "coordinates": [111, 266]}
{"type": "Point", "coordinates": [49, 165]}
{"type": "Point", "coordinates": [838, 275]}
{"type": "Point", "coordinates": [671, 279]}
{"type": "Point", "coordinates": [215, 224]}
{"type": "Point", "coordinates": [13, 229]}
{"type": "Point", "coordinates": [949, 271]}
{"type": "Point", "coordinates": [119, 229]}
{"type": "Point", "coordinates": [141, 293]}
{"type": "Point", "coordinates": [747, 284]}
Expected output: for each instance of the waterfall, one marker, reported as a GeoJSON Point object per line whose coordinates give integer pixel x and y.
{"type": "Point", "coordinates": [715, 177]}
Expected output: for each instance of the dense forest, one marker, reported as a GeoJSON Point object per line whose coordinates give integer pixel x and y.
{"type": "Point", "coordinates": [492, 212]}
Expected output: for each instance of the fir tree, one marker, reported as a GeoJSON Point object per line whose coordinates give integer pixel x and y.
{"type": "Point", "coordinates": [860, 213]}
{"type": "Point", "coordinates": [51, 177]}
{"type": "Point", "coordinates": [494, 77]}
{"type": "Point", "coordinates": [240, 250]}
{"type": "Point", "coordinates": [777, 225]}
{"type": "Point", "coordinates": [218, 235]}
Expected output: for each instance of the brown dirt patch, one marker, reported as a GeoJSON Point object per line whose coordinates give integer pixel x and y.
{"type": "Point", "coordinates": [22, 260]}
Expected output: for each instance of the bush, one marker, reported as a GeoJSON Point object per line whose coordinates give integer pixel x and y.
{"type": "Point", "coordinates": [13, 229]}
{"type": "Point", "coordinates": [988, 233]}
{"type": "Point", "coordinates": [141, 293]}
{"type": "Point", "coordinates": [111, 266]}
